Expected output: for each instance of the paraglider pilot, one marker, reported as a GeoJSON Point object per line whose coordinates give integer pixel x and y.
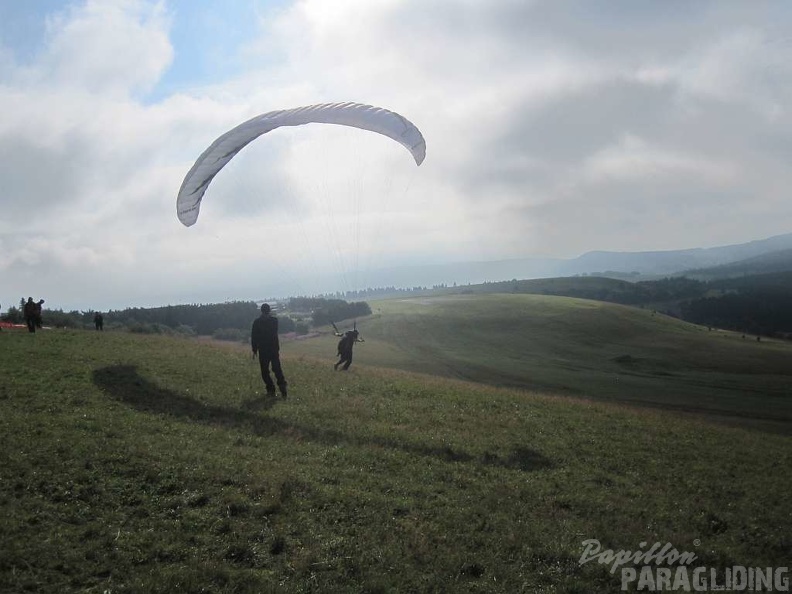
{"type": "Point", "coordinates": [345, 345]}
{"type": "Point", "coordinates": [264, 342]}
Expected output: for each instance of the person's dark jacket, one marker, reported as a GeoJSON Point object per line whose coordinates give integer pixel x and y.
{"type": "Point", "coordinates": [264, 335]}
{"type": "Point", "coordinates": [346, 343]}
{"type": "Point", "coordinates": [30, 310]}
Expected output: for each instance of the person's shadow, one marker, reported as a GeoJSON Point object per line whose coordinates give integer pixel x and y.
{"type": "Point", "coordinates": [257, 403]}
{"type": "Point", "coordinates": [125, 384]}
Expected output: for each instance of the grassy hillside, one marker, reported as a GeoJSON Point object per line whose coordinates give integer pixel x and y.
{"type": "Point", "coordinates": [578, 347]}
{"type": "Point", "coordinates": [153, 464]}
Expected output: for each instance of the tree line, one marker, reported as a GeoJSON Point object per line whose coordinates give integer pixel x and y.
{"type": "Point", "coordinates": [230, 320]}
{"type": "Point", "coordinates": [758, 304]}
{"type": "Point", "coordinates": [325, 311]}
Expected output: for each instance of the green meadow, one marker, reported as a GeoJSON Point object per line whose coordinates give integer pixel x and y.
{"type": "Point", "coordinates": [583, 348]}
{"type": "Point", "coordinates": [473, 447]}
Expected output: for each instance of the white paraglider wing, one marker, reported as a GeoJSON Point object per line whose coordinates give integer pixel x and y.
{"type": "Point", "coordinates": [222, 150]}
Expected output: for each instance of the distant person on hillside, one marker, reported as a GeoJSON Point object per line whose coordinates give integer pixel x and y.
{"type": "Point", "coordinates": [264, 342]}
{"type": "Point", "coordinates": [39, 321]}
{"type": "Point", "coordinates": [99, 321]}
{"type": "Point", "coordinates": [29, 313]}
{"type": "Point", "coordinates": [345, 348]}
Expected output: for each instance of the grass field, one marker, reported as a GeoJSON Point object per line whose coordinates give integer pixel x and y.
{"type": "Point", "coordinates": [154, 464]}
{"type": "Point", "coordinates": [582, 348]}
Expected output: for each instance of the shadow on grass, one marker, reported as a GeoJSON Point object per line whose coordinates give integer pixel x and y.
{"type": "Point", "coordinates": [124, 383]}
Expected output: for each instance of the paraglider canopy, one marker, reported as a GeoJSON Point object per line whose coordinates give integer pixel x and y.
{"type": "Point", "coordinates": [222, 150]}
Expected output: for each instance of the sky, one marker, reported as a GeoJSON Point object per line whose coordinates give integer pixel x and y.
{"type": "Point", "coordinates": [553, 128]}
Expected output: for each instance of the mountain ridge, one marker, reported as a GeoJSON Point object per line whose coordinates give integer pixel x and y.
{"type": "Point", "coordinates": [637, 265]}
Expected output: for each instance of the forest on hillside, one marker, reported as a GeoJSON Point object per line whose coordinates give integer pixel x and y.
{"type": "Point", "coordinates": [230, 320]}
{"type": "Point", "coordinates": [758, 304]}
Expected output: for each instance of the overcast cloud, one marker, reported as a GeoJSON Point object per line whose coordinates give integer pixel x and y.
{"type": "Point", "coordinates": [553, 128]}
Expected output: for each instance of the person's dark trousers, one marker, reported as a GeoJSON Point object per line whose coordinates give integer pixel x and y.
{"type": "Point", "coordinates": [346, 361]}
{"type": "Point", "coordinates": [31, 324]}
{"type": "Point", "coordinates": [265, 361]}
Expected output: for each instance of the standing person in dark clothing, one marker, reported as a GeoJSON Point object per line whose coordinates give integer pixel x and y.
{"type": "Point", "coordinates": [345, 348]}
{"type": "Point", "coordinates": [39, 320]}
{"type": "Point", "coordinates": [29, 312]}
{"type": "Point", "coordinates": [99, 321]}
{"type": "Point", "coordinates": [264, 342]}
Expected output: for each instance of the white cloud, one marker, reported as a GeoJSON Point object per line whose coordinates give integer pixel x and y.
{"type": "Point", "coordinates": [106, 46]}
{"type": "Point", "coordinates": [635, 159]}
{"type": "Point", "coordinates": [741, 66]}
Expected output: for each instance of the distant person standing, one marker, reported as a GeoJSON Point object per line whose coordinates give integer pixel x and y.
{"type": "Point", "coordinates": [99, 321]}
{"type": "Point", "coordinates": [29, 313]}
{"type": "Point", "coordinates": [39, 320]}
{"type": "Point", "coordinates": [264, 342]}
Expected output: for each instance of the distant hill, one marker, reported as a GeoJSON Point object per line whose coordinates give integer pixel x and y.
{"type": "Point", "coordinates": [758, 304]}
{"type": "Point", "coordinates": [584, 287]}
{"type": "Point", "coordinates": [755, 257]}
{"type": "Point", "coordinates": [772, 281]}
{"type": "Point", "coordinates": [663, 294]}
{"type": "Point", "coordinates": [674, 261]}
{"type": "Point", "coordinates": [779, 261]}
